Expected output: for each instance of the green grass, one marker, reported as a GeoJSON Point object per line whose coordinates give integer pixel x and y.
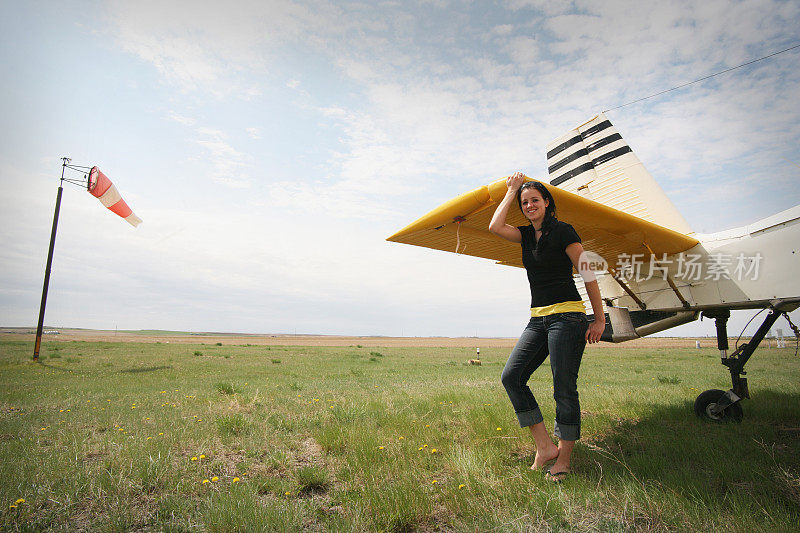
{"type": "Point", "coordinates": [119, 437]}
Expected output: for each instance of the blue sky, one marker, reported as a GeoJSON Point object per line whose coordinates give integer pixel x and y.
{"type": "Point", "coordinates": [271, 147]}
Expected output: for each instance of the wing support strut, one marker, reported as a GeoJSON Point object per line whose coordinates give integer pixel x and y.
{"type": "Point", "coordinates": [671, 283]}
{"type": "Point", "coordinates": [627, 289]}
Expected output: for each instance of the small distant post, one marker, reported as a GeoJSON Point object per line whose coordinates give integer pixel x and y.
{"type": "Point", "coordinates": [477, 360]}
{"type": "Point", "coordinates": [697, 344]}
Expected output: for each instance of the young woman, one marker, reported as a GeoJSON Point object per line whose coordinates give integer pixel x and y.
{"type": "Point", "coordinates": [558, 326]}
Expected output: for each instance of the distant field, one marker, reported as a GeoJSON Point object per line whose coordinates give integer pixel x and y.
{"type": "Point", "coordinates": [220, 435]}
{"type": "Point", "coordinates": [91, 335]}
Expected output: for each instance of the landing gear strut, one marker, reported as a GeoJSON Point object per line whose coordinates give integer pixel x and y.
{"type": "Point", "coordinates": [722, 406]}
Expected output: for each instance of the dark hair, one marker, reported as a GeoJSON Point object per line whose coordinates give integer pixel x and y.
{"type": "Point", "coordinates": [549, 212]}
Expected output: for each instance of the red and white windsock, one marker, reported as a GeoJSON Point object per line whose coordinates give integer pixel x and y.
{"type": "Point", "coordinates": [101, 187]}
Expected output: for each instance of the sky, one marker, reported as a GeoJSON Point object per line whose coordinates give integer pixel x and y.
{"type": "Point", "coordinates": [270, 147]}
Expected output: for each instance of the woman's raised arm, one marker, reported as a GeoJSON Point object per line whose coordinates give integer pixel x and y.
{"type": "Point", "coordinates": [498, 224]}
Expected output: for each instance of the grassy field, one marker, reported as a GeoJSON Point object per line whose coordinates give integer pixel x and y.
{"type": "Point", "coordinates": [163, 437]}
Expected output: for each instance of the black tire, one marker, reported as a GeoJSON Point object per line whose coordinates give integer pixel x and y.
{"type": "Point", "coordinates": [706, 400]}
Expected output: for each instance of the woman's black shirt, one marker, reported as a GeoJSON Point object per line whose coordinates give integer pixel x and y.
{"type": "Point", "coordinates": [550, 269]}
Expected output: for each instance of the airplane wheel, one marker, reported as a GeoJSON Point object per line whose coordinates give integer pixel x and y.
{"type": "Point", "coordinates": [708, 399]}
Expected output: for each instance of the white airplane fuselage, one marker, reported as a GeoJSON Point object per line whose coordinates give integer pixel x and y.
{"type": "Point", "coordinates": [743, 268]}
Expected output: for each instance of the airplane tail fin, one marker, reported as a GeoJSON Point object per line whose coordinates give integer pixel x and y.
{"type": "Point", "coordinates": [594, 161]}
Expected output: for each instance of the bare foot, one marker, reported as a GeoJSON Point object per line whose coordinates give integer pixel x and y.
{"type": "Point", "coordinates": [544, 456]}
{"type": "Point", "coordinates": [560, 468]}
{"type": "Point", "coordinates": [556, 477]}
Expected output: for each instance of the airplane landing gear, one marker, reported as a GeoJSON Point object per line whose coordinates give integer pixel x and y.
{"type": "Point", "coordinates": [720, 406]}
{"type": "Point", "coordinates": [715, 405]}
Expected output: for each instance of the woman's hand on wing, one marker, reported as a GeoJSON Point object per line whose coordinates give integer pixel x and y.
{"type": "Point", "coordinates": [595, 330]}
{"type": "Point", "coordinates": [515, 181]}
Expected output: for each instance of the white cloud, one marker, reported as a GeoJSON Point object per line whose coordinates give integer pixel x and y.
{"type": "Point", "coordinates": [229, 166]}
{"type": "Point", "coordinates": [186, 121]}
{"type": "Point", "coordinates": [503, 29]}
{"type": "Point", "coordinates": [208, 46]}
{"type": "Point", "coordinates": [524, 51]}
{"type": "Point", "coordinates": [546, 7]}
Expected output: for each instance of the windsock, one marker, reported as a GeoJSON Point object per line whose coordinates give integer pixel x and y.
{"type": "Point", "coordinates": [101, 188]}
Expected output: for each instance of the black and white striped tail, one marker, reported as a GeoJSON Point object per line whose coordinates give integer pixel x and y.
{"type": "Point", "coordinates": [593, 160]}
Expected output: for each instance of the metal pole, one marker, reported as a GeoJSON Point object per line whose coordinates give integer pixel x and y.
{"type": "Point", "coordinates": [47, 268]}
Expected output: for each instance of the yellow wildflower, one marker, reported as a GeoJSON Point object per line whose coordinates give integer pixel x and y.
{"type": "Point", "coordinates": [205, 481]}
{"type": "Point", "coordinates": [434, 482]}
{"type": "Point", "coordinates": [160, 433]}
{"type": "Point", "coordinates": [461, 486]}
{"type": "Point", "coordinates": [381, 447]}
{"type": "Point", "coordinates": [235, 480]}
{"type": "Point", "coordinates": [434, 450]}
{"type": "Point", "coordinates": [499, 429]}
{"type": "Point", "coordinates": [19, 501]}
{"type": "Point", "coordinates": [202, 456]}
{"type": "Point", "coordinates": [194, 458]}
{"type": "Point", "coordinates": [215, 478]}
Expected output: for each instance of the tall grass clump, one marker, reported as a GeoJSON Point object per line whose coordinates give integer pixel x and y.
{"type": "Point", "coordinates": [240, 511]}
{"type": "Point", "coordinates": [232, 425]}
{"type": "Point", "coordinates": [226, 388]}
{"type": "Point", "coordinates": [311, 478]}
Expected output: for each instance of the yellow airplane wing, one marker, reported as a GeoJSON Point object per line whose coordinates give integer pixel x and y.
{"type": "Point", "coordinates": [461, 226]}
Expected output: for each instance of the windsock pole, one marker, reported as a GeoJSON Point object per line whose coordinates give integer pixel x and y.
{"type": "Point", "coordinates": [40, 327]}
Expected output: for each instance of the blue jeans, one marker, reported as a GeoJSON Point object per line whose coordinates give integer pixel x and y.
{"type": "Point", "coordinates": [562, 336]}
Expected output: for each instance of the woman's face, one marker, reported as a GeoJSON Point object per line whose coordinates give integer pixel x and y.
{"type": "Point", "coordinates": [533, 206]}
